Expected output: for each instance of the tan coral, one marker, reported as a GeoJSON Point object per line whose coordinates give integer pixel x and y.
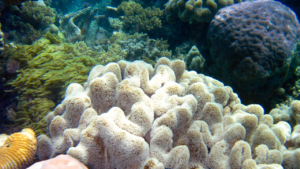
{"type": "Point", "coordinates": [191, 10]}
{"type": "Point", "coordinates": [287, 113]}
{"type": "Point", "coordinates": [18, 150]}
{"type": "Point", "coordinates": [133, 115]}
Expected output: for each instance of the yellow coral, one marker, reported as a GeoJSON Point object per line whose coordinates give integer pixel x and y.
{"type": "Point", "coordinates": [18, 150]}
{"type": "Point", "coordinates": [46, 70]}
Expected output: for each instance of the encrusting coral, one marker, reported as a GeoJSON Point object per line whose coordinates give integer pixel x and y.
{"type": "Point", "coordinates": [18, 150]}
{"type": "Point", "coordinates": [129, 114]}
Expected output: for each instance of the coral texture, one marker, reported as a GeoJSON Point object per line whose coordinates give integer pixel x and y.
{"type": "Point", "coordinates": [195, 60]}
{"type": "Point", "coordinates": [59, 162]}
{"type": "Point", "coordinates": [199, 10]}
{"type": "Point", "coordinates": [28, 24]}
{"type": "Point", "coordinates": [46, 69]}
{"type": "Point", "coordinates": [18, 150]}
{"type": "Point", "coordinates": [290, 114]}
{"type": "Point", "coordinates": [75, 25]}
{"type": "Point", "coordinates": [133, 47]}
{"type": "Point", "coordinates": [141, 19]}
{"type": "Point", "coordinates": [129, 114]}
{"type": "Point", "coordinates": [252, 47]}
{"type": "Point", "coordinates": [39, 16]}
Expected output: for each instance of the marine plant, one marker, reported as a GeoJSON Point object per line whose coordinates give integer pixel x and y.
{"type": "Point", "coordinates": [138, 18]}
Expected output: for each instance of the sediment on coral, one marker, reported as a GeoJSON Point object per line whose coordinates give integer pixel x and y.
{"type": "Point", "coordinates": [135, 115]}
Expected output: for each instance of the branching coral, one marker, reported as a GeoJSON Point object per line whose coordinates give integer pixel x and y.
{"type": "Point", "coordinates": [28, 23]}
{"type": "Point", "coordinates": [139, 18]}
{"type": "Point", "coordinates": [39, 16]}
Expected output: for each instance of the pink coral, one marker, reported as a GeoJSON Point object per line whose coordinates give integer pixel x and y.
{"type": "Point", "coordinates": [59, 162]}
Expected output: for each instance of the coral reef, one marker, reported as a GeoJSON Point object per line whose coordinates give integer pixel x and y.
{"type": "Point", "coordinates": [115, 23]}
{"type": "Point", "coordinates": [39, 16]}
{"type": "Point", "coordinates": [49, 66]}
{"type": "Point", "coordinates": [59, 162]}
{"type": "Point", "coordinates": [287, 113]}
{"type": "Point", "coordinates": [138, 18]}
{"type": "Point", "coordinates": [27, 23]}
{"type": "Point", "coordinates": [74, 25]}
{"type": "Point", "coordinates": [18, 150]}
{"type": "Point", "coordinates": [133, 47]}
{"type": "Point", "coordinates": [252, 48]}
{"type": "Point", "coordinates": [191, 10]}
{"type": "Point", "coordinates": [135, 115]}
{"type": "Point", "coordinates": [195, 60]}
{"type": "Point", "coordinates": [46, 69]}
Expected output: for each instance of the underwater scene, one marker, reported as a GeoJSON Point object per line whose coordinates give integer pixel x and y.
{"type": "Point", "coordinates": [149, 84]}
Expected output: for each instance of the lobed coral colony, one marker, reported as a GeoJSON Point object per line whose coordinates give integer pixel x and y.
{"type": "Point", "coordinates": [131, 114]}
{"type": "Point", "coordinates": [49, 66]}
{"type": "Point", "coordinates": [87, 85]}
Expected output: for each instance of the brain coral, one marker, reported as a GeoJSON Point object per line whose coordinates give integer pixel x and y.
{"type": "Point", "coordinates": [199, 10]}
{"type": "Point", "coordinates": [252, 46]}
{"type": "Point", "coordinates": [131, 115]}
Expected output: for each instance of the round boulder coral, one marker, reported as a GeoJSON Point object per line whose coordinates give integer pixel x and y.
{"type": "Point", "coordinates": [252, 46]}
